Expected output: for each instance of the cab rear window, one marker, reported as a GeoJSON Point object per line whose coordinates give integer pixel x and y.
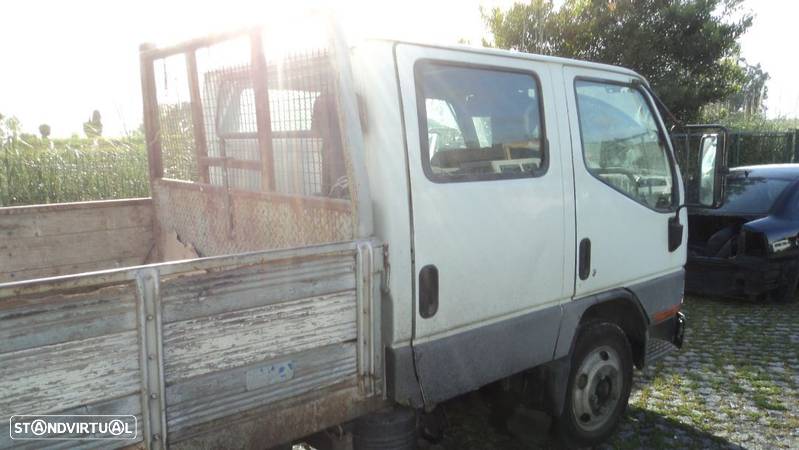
{"type": "Point", "coordinates": [479, 123]}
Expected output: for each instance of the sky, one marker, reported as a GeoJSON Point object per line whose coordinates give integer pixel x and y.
{"type": "Point", "coordinates": [63, 59]}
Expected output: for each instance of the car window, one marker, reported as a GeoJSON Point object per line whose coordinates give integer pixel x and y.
{"type": "Point", "coordinates": [622, 145]}
{"type": "Point", "coordinates": [751, 195]}
{"type": "Point", "coordinates": [479, 123]}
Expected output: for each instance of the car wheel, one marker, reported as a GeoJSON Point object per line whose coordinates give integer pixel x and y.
{"type": "Point", "coordinates": [599, 386]}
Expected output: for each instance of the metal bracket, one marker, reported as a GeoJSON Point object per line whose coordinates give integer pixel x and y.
{"type": "Point", "coordinates": [151, 359]}
{"type": "Point", "coordinates": [368, 319]}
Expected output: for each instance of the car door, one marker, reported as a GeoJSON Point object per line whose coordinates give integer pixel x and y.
{"type": "Point", "coordinates": [626, 182]}
{"type": "Point", "coordinates": [491, 210]}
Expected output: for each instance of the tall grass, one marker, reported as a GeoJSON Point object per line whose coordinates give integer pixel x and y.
{"type": "Point", "coordinates": [37, 171]}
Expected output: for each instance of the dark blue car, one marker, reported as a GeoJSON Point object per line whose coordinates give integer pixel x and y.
{"type": "Point", "coordinates": [749, 246]}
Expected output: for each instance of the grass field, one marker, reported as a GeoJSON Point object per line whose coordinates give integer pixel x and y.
{"type": "Point", "coordinates": [70, 170]}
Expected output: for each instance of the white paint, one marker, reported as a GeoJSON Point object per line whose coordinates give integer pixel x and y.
{"type": "Point", "coordinates": [498, 245]}
{"type": "Point", "coordinates": [629, 241]}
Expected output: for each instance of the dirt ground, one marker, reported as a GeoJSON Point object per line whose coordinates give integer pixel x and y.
{"type": "Point", "coordinates": [735, 384]}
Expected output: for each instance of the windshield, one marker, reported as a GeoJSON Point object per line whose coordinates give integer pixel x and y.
{"type": "Point", "coordinates": [751, 195]}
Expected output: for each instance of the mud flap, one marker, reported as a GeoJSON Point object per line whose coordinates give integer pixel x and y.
{"type": "Point", "coordinates": [557, 383]}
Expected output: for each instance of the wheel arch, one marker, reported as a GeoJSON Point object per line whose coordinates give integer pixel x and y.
{"type": "Point", "coordinates": [618, 306]}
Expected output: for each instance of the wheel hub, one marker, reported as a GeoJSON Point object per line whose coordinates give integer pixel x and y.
{"type": "Point", "coordinates": [597, 388]}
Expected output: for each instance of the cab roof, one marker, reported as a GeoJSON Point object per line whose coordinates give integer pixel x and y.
{"type": "Point", "coordinates": [518, 55]}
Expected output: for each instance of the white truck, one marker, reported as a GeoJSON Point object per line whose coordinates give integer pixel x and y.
{"type": "Point", "coordinates": [346, 235]}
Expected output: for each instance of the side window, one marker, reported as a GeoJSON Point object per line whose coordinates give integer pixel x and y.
{"type": "Point", "coordinates": [480, 123]}
{"type": "Point", "coordinates": [622, 145]}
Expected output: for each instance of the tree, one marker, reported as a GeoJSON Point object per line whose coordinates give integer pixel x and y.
{"type": "Point", "coordinates": [10, 128]}
{"type": "Point", "coordinates": [751, 99]}
{"type": "Point", "coordinates": [686, 49]}
{"type": "Point", "coordinates": [44, 130]}
{"type": "Point", "coordinates": [94, 127]}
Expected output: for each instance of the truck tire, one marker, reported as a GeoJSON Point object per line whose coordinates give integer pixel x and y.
{"type": "Point", "coordinates": [392, 429]}
{"type": "Point", "coordinates": [599, 386]}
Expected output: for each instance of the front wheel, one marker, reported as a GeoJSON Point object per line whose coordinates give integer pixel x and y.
{"type": "Point", "coordinates": [599, 386]}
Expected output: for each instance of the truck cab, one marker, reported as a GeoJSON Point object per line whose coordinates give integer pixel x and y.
{"type": "Point", "coordinates": [525, 202]}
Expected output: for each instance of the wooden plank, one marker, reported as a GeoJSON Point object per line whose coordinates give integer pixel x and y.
{"type": "Point", "coordinates": [34, 253]}
{"type": "Point", "coordinates": [54, 319]}
{"type": "Point", "coordinates": [95, 204]}
{"type": "Point", "coordinates": [56, 377]}
{"type": "Point", "coordinates": [198, 346]}
{"type": "Point", "coordinates": [35, 223]}
{"type": "Point", "coordinates": [219, 394]}
{"type": "Point", "coordinates": [86, 238]}
{"type": "Point", "coordinates": [207, 294]}
{"type": "Point", "coordinates": [49, 240]}
{"type": "Point", "coordinates": [128, 405]}
{"type": "Point", "coordinates": [281, 422]}
{"type": "Point", "coordinates": [82, 281]}
{"type": "Point", "coordinates": [68, 269]}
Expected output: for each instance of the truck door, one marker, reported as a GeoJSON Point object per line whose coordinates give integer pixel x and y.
{"type": "Point", "coordinates": [626, 183]}
{"type": "Point", "coordinates": [491, 212]}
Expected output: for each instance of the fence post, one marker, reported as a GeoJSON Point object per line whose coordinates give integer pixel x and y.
{"type": "Point", "coordinates": [795, 145]}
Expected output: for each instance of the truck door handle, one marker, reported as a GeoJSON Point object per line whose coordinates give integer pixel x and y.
{"type": "Point", "coordinates": [584, 266]}
{"type": "Point", "coordinates": [428, 291]}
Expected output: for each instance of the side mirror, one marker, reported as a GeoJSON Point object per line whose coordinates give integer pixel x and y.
{"type": "Point", "coordinates": [704, 160]}
{"type": "Point", "coordinates": [702, 153]}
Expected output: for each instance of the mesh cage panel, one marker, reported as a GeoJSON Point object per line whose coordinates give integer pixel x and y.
{"type": "Point", "coordinates": [254, 128]}
{"type": "Point", "coordinates": [304, 123]}
{"type": "Point", "coordinates": [228, 108]}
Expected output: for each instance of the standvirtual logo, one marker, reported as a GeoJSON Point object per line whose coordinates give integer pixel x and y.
{"type": "Point", "coordinates": [73, 427]}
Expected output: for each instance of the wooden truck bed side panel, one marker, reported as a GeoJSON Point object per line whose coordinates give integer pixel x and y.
{"type": "Point", "coordinates": [50, 240]}
{"type": "Point", "coordinates": [69, 352]}
{"type": "Point", "coordinates": [272, 344]}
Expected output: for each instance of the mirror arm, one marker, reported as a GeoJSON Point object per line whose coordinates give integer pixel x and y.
{"type": "Point", "coordinates": [677, 211]}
